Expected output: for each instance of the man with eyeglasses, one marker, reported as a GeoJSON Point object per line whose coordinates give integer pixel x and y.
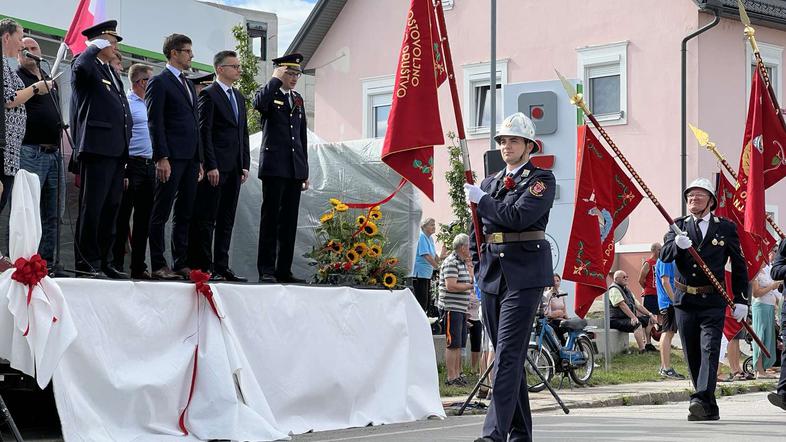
{"type": "Point", "coordinates": [224, 132]}
{"type": "Point", "coordinates": [283, 169]}
{"type": "Point", "coordinates": [626, 313]}
{"type": "Point", "coordinates": [173, 120]}
{"type": "Point", "coordinates": [139, 180]}
{"type": "Point", "coordinates": [699, 309]}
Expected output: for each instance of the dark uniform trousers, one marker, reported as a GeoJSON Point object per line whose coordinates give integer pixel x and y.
{"type": "Point", "coordinates": [278, 225]}
{"type": "Point", "coordinates": [782, 381]}
{"type": "Point", "coordinates": [778, 273]}
{"type": "Point", "coordinates": [183, 183]}
{"type": "Point", "coordinates": [701, 330]}
{"type": "Point", "coordinates": [137, 199]}
{"type": "Point", "coordinates": [212, 222]}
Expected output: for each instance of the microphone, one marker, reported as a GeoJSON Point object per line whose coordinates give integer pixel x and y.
{"type": "Point", "coordinates": [31, 55]}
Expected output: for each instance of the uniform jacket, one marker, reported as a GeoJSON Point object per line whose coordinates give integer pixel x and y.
{"type": "Point", "coordinates": [173, 118]}
{"type": "Point", "coordinates": [720, 244]}
{"type": "Point", "coordinates": [284, 143]}
{"type": "Point", "coordinates": [524, 208]}
{"type": "Point", "coordinates": [224, 138]}
{"type": "Point", "coordinates": [101, 116]}
{"type": "Point", "coordinates": [778, 272]}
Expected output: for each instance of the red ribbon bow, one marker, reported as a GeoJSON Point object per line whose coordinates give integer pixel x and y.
{"type": "Point", "coordinates": [30, 273]}
{"type": "Point", "coordinates": [509, 183]}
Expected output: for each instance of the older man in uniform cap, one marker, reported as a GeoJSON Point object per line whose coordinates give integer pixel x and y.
{"type": "Point", "coordinates": [283, 168]}
{"type": "Point", "coordinates": [512, 267]}
{"type": "Point", "coordinates": [103, 130]}
{"type": "Point", "coordinates": [699, 309]}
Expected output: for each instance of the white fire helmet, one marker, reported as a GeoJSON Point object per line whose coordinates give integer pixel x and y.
{"type": "Point", "coordinates": [518, 125]}
{"type": "Point", "coordinates": [702, 183]}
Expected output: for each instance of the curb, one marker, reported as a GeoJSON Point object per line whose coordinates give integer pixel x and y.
{"type": "Point", "coordinates": [658, 398]}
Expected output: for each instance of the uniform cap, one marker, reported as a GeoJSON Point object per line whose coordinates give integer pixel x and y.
{"type": "Point", "coordinates": [202, 78]}
{"type": "Point", "coordinates": [291, 61]}
{"type": "Point", "coordinates": [108, 27]}
{"type": "Point", "coordinates": [518, 125]}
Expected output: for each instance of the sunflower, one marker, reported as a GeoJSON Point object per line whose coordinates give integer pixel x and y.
{"type": "Point", "coordinates": [335, 201]}
{"type": "Point", "coordinates": [326, 217]}
{"type": "Point", "coordinates": [374, 250]}
{"type": "Point", "coordinates": [335, 246]}
{"type": "Point", "coordinates": [389, 280]}
{"type": "Point", "coordinates": [360, 248]}
{"type": "Point", "coordinates": [372, 281]}
{"type": "Point", "coordinates": [391, 261]}
{"type": "Point", "coordinates": [352, 256]}
{"type": "Point", "coordinates": [341, 207]}
{"type": "Point", "coordinates": [370, 229]}
{"type": "Point", "coordinates": [375, 215]}
{"type": "Point", "coordinates": [361, 220]}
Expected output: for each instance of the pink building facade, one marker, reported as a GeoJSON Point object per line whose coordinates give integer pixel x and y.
{"type": "Point", "coordinates": [626, 52]}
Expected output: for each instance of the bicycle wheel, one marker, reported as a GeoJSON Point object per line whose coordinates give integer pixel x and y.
{"type": "Point", "coordinates": [582, 374]}
{"type": "Point", "coordinates": [747, 366]}
{"type": "Point", "coordinates": [545, 364]}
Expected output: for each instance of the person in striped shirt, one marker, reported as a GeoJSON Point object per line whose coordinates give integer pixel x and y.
{"type": "Point", "coordinates": [455, 289]}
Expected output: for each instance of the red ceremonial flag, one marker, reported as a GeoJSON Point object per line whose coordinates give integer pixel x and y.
{"type": "Point", "coordinates": [88, 13]}
{"type": "Point", "coordinates": [755, 248]}
{"type": "Point", "coordinates": [750, 176]}
{"type": "Point", "coordinates": [414, 125]}
{"type": "Point", "coordinates": [605, 196]}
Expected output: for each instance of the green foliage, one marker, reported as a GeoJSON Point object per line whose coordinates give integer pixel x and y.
{"type": "Point", "coordinates": [455, 178]}
{"type": "Point", "coordinates": [249, 69]}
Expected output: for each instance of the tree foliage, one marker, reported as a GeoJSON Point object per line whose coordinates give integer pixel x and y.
{"type": "Point", "coordinates": [458, 202]}
{"type": "Point", "coordinates": [249, 65]}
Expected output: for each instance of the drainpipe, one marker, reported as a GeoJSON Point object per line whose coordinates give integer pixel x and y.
{"type": "Point", "coordinates": [493, 77]}
{"type": "Point", "coordinates": [684, 122]}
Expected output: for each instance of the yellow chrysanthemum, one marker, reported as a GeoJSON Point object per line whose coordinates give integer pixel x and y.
{"type": "Point", "coordinates": [389, 280]}
{"type": "Point", "coordinates": [335, 201]}
{"type": "Point", "coordinates": [360, 248]}
{"type": "Point", "coordinates": [370, 229]}
{"type": "Point", "coordinates": [361, 220]}
{"type": "Point", "coordinates": [352, 256]}
{"type": "Point", "coordinates": [326, 217]}
{"type": "Point", "coordinates": [372, 281]}
{"type": "Point", "coordinates": [375, 215]}
{"type": "Point", "coordinates": [374, 250]}
{"type": "Point", "coordinates": [341, 207]}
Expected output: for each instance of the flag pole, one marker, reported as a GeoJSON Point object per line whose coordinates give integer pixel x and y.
{"type": "Point", "coordinates": [578, 100]}
{"type": "Point", "coordinates": [459, 118]}
{"type": "Point", "coordinates": [704, 140]}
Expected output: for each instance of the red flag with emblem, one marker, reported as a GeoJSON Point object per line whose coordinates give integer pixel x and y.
{"type": "Point", "coordinates": [605, 196]}
{"type": "Point", "coordinates": [414, 126]}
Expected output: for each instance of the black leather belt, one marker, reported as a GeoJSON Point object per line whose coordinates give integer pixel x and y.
{"type": "Point", "coordinates": [503, 237]}
{"type": "Point", "coordinates": [701, 290]}
{"type": "Point", "coordinates": [140, 159]}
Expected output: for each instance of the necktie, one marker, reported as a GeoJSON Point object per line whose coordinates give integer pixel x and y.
{"type": "Point", "coordinates": [233, 103]}
{"type": "Point", "coordinates": [289, 99]}
{"type": "Point", "coordinates": [698, 234]}
{"type": "Point", "coordinates": [183, 82]}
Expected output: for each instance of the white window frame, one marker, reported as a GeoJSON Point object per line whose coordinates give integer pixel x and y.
{"type": "Point", "coordinates": [447, 5]}
{"type": "Point", "coordinates": [477, 75]}
{"type": "Point", "coordinates": [772, 56]}
{"type": "Point", "coordinates": [606, 59]}
{"type": "Point", "coordinates": [372, 87]}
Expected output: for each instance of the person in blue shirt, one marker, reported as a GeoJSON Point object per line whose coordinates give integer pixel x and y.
{"type": "Point", "coordinates": [664, 283]}
{"type": "Point", "coordinates": [426, 261]}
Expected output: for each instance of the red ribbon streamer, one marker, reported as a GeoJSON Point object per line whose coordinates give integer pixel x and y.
{"type": "Point", "coordinates": [380, 202]}
{"type": "Point", "coordinates": [30, 273]}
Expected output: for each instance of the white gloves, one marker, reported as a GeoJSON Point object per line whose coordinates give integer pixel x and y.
{"type": "Point", "coordinates": [473, 192]}
{"type": "Point", "coordinates": [100, 43]}
{"type": "Point", "coordinates": [683, 241]}
{"type": "Point", "coordinates": [740, 312]}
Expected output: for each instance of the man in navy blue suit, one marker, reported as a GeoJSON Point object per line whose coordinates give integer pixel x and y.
{"type": "Point", "coordinates": [102, 131]}
{"type": "Point", "coordinates": [173, 119]}
{"type": "Point", "coordinates": [222, 124]}
{"type": "Point", "coordinates": [513, 266]}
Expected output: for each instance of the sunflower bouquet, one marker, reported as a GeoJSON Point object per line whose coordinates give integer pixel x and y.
{"type": "Point", "coordinates": [351, 248]}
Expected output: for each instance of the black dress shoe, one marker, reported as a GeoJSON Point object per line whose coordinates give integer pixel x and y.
{"type": "Point", "coordinates": [708, 417]}
{"type": "Point", "coordinates": [229, 275]}
{"type": "Point", "coordinates": [290, 280]}
{"type": "Point", "coordinates": [697, 409]}
{"type": "Point", "coordinates": [215, 277]}
{"type": "Point", "coordinates": [267, 279]}
{"type": "Point", "coordinates": [777, 399]}
{"type": "Point", "coordinates": [164, 274]}
{"type": "Point", "coordinates": [143, 275]}
{"type": "Point", "coordinates": [184, 272]}
{"type": "Point", "coordinates": [484, 439]}
{"type": "Point", "coordinates": [111, 272]}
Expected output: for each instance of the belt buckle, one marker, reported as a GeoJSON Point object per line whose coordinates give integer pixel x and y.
{"type": "Point", "coordinates": [692, 290]}
{"type": "Point", "coordinates": [497, 237]}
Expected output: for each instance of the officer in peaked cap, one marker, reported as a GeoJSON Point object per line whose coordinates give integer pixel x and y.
{"type": "Point", "coordinates": [201, 80]}
{"type": "Point", "coordinates": [283, 168]}
{"type": "Point", "coordinates": [102, 129]}
{"type": "Point", "coordinates": [699, 309]}
{"type": "Point", "coordinates": [513, 266]}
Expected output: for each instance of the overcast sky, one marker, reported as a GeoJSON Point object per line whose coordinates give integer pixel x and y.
{"type": "Point", "coordinates": [291, 15]}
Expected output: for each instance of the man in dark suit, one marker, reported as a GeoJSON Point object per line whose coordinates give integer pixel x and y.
{"type": "Point", "coordinates": [103, 130]}
{"type": "Point", "coordinates": [699, 309]}
{"type": "Point", "coordinates": [222, 125]}
{"type": "Point", "coordinates": [283, 169]}
{"type": "Point", "coordinates": [173, 120]}
{"type": "Point", "coordinates": [778, 273]}
{"type": "Point", "coordinates": [513, 266]}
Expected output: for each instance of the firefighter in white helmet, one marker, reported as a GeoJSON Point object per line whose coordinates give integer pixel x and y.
{"type": "Point", "coordinates": [699, 308]}
{"type": "Point", "coordinates": [513, 207]}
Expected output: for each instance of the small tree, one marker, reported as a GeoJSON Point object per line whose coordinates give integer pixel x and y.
{"type": "Point", "coordinates": [248, 70]}
{"type": "Point", "coordinates": [458, 202]}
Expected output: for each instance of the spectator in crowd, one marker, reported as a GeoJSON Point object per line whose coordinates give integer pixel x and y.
{"type": "Point", "coordinates": [554, 307]}
{"type": "Point", "coordinates": [627, 314]}
{"type": "Point", "coordinates": [139, 179]}
{"type": "Point", "coordinates": [664, 283]}
{"type": "Point", "coordinates": [475, 331]}
{"type": "Point", "coordinates": [40, 152]}
{"type": "Point", "coordinates": [778, 273]}
{"type": "Point", "coordinates": [649, 293]}
{"type": "Point", "coordinates": [455, 290]}
{"type": "Point", "coordinates": [766, 296]}
{"type": "Point", "coordinates": [425, 262]}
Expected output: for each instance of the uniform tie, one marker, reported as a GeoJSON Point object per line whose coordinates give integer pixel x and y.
{"type": "Point", "coordinates": [289, 99]}
{"type": "Point", "coordinates": [698, 234]}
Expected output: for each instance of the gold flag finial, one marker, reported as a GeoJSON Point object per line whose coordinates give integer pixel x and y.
{"type": "Point", "coordinates": [743, 14]}
{"type": "Point", "coordinates": [702, 137]}
{"type": "Point", "coordinates": [576, 98]}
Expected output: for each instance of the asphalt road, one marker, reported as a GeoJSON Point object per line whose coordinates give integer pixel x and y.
{"type": "Point", "coordinates": [748, 417]}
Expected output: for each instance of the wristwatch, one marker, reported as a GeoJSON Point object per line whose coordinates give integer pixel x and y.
{"type": "Point", "coordinates": [35, 89]}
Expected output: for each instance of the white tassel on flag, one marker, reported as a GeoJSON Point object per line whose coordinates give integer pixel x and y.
{"type": "Point", "coordinates": [61, 52]}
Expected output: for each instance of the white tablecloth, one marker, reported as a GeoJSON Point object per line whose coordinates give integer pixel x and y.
{"type": "Point", "coordinates": [303, 358]}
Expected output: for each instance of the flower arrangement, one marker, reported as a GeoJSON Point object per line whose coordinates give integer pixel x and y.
{"type": "Point", "coordinates": [352, 248]}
